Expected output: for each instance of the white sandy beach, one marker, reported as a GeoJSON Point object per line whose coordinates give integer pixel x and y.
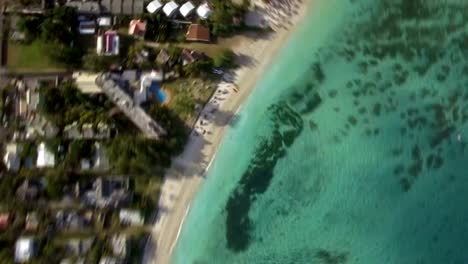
{"type": "Point", "coordinates": [184, 178]}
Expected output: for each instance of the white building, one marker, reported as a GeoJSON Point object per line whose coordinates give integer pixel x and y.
{"type": "Point", "coordinates": [146, 80]}
{"type": "Point", "coordinates": [87, 27]}
{"type": "Point", "coordinates": [154, 6]}
{"type": "Point", "coordinates": [170, 8]}
{"type": "Point", "coordinates": [108, 43]}
{"type": "Point", "coordinates": [12, 157]}
{"type": "Point", "coordinates": [104, 21]}
{"type": "Point", "coordinates": [204, 11]}
{"type": "Point", "coordinates": [24, 249]}
{"type": "Point", "coordinates": [130, 217]}
{"type": "Point", "coordinates": [186, 9]}
{"type": "Point", "coordinates": [100, 161]}
{"type": "Point", "coordinates": [45, 158]}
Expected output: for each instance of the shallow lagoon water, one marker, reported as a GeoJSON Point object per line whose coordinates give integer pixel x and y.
{"type": "Point", "coordinates": [352, 149]}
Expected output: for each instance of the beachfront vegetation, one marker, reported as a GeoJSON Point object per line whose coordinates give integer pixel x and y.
{"type": "Point", "coordinates": [224, 16]}
{"type": "Point", "coordinates": [225, 59]}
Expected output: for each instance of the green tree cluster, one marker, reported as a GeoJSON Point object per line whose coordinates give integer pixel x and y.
{"type": "Point", "coordinates": [157, 27]}
{"type": "Point", "coordinates": [222, 18]}
{"type": "Point", "coordinates": [57, 29]}
{"type": "Point", "coordinates": [66, 104]}
{"type": "Point", "coordinates": [225, 59]}
{"type": "Point", "coordinates": [95, 63]}
{"type": "Point", "coordinates": [141, 156]}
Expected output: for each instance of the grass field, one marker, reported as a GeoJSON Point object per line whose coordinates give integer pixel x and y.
{"type": "Point", "coordinates": [30, 57]}
{"type": "Point", "coordinates": [187, 93]}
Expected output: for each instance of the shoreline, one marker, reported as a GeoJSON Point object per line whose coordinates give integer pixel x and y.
{"type": "Point", "coordinates": [188, 171]}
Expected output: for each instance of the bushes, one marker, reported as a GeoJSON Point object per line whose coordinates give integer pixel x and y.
{"type": "Point", "coordinates": [225, 59]}
{"type": "Point", "coordinates": [95, 63]}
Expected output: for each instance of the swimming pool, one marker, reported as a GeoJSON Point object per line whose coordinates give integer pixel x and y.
{"type": "Point", "coordinates": [159, 93]}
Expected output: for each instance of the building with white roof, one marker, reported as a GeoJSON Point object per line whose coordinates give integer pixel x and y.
{"type": "Point", "coordinates": [131, 217]}
{"type": "Point", "coordinates": [45, 158]}
{"type": "Point", "coordinates": [170, 8]}
{"type": "Point", "coordinates": [12, 157]}
{"type": "Point", "coordinates": [146, 81]}
{"type": "Point", "coordinates": [186, 9]}
{"type": "Point", "coordinates": [154, 6]}
{"type": "Point", "coordinates": [24, 249]}
{"type": "Point", "coordinates": [104, 21]}
{"type": "Point", "coordinates": [204, 11]}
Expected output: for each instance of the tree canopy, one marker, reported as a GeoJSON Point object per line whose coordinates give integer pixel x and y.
{"type": "Point", "coordinates": [58, 30]}
{"type": "Point", "coordinates": [225, 59]}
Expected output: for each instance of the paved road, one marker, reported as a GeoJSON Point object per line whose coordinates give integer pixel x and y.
{"type": "Point", "coordinates": [134, 112]}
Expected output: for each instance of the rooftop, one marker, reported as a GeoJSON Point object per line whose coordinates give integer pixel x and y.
{"type": "Point", "coordinates": [204, 10]}
{"type": "Point", "coordinates": [186, 9]}
{"type": "Point", "coordinates": [170, 8]}
{"type": "Point", "coordinates": [154, 6]}
{"type": "Point", "coordinates": [24, 249]}
{"type": "Point", "coordinates": [4, 221]}
{"type": "Point", "coordinates": [137, 27]}
{"type": "Point", "coordinates": [45, 158]}
{"type": "Point", "coordinates": [197, 32]}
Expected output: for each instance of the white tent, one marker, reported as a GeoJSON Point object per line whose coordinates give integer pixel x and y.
{"type": "Point", "coordinates": [204, 11]}
{"type": "Point", "coordinates": [170, 8]}
{"type": "Point", "coordinates": [154, 6]}
{"type": "Point", "coordinates": [45, 158]}
{"type": "Point", "coordinates": [186, 9]}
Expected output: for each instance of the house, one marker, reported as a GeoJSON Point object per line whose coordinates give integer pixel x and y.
{"type": "Point", "coordinates": [86, 131]}
{"type": "Point", "coordinates": [163, 57]}
{"type": "Point", "coordinates": [154, 6]}
{"type": "Point", "coordinates": [87, 27]}
{"type": "Point", "coordinates": [153, 79]}
{"type": "Point", "coordinates": [85, 7]}
{"type": "Point", "coordinates": [119, 244]}
{"type": "Point", "coordinates": [204, 11]}
{"type": "Point", "coordinates": [32, 222]}
{"type": "Point", "coordinates": [85, 164]}
{"type": "Point", "coordinates": [12, 157]}
{"type": "Point", "coordinates": [86, 82]}
{"type": "Point", "coordinates": [187, 9]}
{"type": "Point", "coordinates": [197, 32]}
{"type": "Point", "coordinates": [130, 217]}
{"type": "Point", "coordinates": [4, 221]}
{"type": "Point", "coordinates": [22, 107]}
{"type": "Point", "coordinates": [137, 28]}
{"type": "Point", "coordinates": [73, 220]}
{"type": "Point", "coordinates": [79, 247]}
{"type": "Point", "coordinates": [28, 191]}
{"type": "Point", "coordinates": [170, 8]}
{"type": "Point", "coordinates": [100, 161]}
{"type": "Point", "coordinates": [104, 21]}
{"type": "Point", "coordinates": [108, 192]}
{"type": "Point", "coordinates": [24, 249]}
{"type": "Point", "coordinates": [108, 43]}
{"type": "Point", "coordinates": [45, 158]}
{"type": "Point", "coordinates": [32, 99]}
{"type": "Point", "coordinates": [190, 56]}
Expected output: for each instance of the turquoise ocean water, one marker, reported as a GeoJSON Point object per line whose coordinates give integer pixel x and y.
{"type": "Point", "coordinates": [352, 149]}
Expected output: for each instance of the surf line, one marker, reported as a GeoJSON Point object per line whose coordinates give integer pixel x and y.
{"type": "Point", "coordinates": [180, 229]}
